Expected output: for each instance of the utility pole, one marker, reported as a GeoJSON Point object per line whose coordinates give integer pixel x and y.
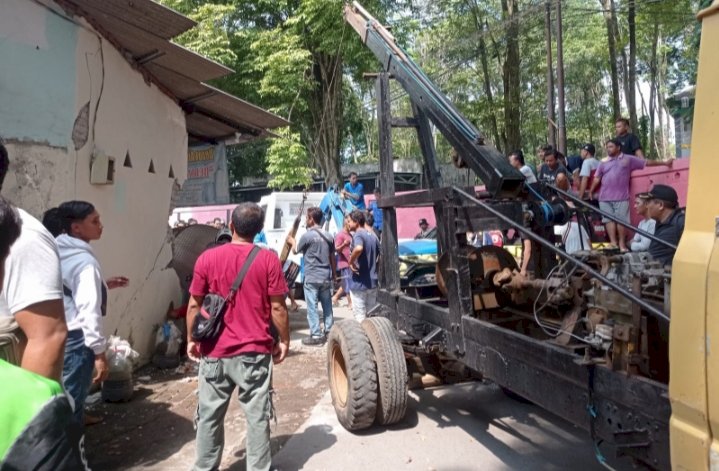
{"type": "Point", "coordinates": [562, 144]}
{"type": "Point", "coordinates": [551, 139]}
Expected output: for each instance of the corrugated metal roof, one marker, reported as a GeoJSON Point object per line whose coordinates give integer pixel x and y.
{"type": "Point", "coordinates": [141, 29]}
{"type": "Point", "coordinates": [146, 48]}
{"type": "Point", "coordinates": [184, 88]}
{"type": "Point", "coordinates": [202, 127]}
{"type": "Point", "coordinates": [144, 14]}
{"type": "Point", "coordinates": [239, 110]}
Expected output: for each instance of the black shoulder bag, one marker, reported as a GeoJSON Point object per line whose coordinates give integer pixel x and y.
{"type": "Point", "coordinates": [208, 322]}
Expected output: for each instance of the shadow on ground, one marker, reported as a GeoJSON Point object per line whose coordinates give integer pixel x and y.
{"type": "Point", "coordinates": [320, 437]}
{"type": "Point", "coordinates": [161, 432]}
{"type": "Point", "coordinates": [488, 408]}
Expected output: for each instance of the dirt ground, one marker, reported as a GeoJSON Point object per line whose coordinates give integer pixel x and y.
{"type": "Point", "coordinates": [155, 429]}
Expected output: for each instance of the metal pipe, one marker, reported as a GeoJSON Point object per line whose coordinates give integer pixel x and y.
{"type": "Point", "coordinates": [611, 217]}
{"type": "Point", "coordinates": [531, 235]}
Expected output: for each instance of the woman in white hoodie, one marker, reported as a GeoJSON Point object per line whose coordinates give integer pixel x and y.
{"type": "Point", "coordinates": [85, 298]}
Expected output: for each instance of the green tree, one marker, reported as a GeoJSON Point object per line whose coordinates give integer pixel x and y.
{"type": "Point", "coordinates": [287, 162]}
{"type": "Point", "coordinates": [299, 59]}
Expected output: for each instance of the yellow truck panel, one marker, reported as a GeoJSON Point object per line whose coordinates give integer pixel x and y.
{"type": "Point", "coordinates": [694, 330]}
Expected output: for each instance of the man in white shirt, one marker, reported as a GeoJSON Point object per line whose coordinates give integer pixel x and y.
{"type": "Point", "coordinates": [516, 160]}
{"type": "Point", "coordinates": [32, 293]}
{"type": "Point", "coordinates": [9, 232]}
{"type": "Point", "coordinates": [589, 166]}
{"type": "Point", "coordinates": [641, 243]}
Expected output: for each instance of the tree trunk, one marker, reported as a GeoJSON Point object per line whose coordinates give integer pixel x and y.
{"type": "Point", "coordinates": [623, 62]}
{"type": "Point", "coordinates": [482, 29]}
{"type": "Point", "coordinates": [590, 121]}
{"type": "Point", "coordinates": [326, 109]}
{"type": "Point", "coordinates": [632, 72]}
{"type": "Point", "coordinates": [661, 105]}
{"type": "Point", "coordinates": [653, 91]}
{"type": "Point", "coordinates": [369, 126]}
{"type": "Point", "coordinates": [551, 119]}
{"type": "Point", "coordinates": [561, 122]}
{"type": "Point", "coordinates": [488, 88]}
{"type": "Point", "coordinates": [498, 55]}
{"type": "Point", "coordinates": [512, 83]}
{"type": "Point", "coordinates": [608, 7]}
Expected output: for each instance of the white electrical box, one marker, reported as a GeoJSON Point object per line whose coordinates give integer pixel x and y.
{"type": "Point", "coordinates": [102, 169]}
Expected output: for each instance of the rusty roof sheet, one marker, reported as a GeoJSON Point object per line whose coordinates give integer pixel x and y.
{"type": "Point", "coordinates": [184, 88]}
{"type": "Point", "coordinates": [141, 30]}
{"type": "Point", "coordinates": [147, 48]}
{"type": "Point", "coordinates": [238, 110]}
{"type": "Point", "coordinates": [144, 14]}
{"type": "Point", "coordinates": [202, 127]}
{"type": "Point", "coordinates": [144, 46]}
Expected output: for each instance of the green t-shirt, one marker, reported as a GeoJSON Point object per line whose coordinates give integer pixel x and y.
{"type": "Point", "coordinates": [22, 395]}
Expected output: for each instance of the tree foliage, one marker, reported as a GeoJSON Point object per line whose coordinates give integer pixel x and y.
{"type": "Point", "coordinates": [299, 59]}
{"type": "Point", "coordinates": [287, 162]}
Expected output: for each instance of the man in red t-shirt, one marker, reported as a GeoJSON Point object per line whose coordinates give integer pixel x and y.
{"type": "Point", "coordinates": [243, 354]}
{"type": "Point", "coordinates": [343, 240]}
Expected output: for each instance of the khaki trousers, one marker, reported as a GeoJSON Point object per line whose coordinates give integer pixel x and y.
{"type": "Point", "coordinates": [251, 374]}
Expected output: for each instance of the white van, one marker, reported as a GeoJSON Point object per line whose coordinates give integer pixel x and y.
{"type": "Point", "coordinates": [281, 209]}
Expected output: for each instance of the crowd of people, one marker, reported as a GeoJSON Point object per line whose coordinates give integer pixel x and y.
{"type": "Point", "coordinates": [52, 286]}
{"type": "Point", "coordinates": [217, 223]}
{"type": "Point", "coordinates": [346, 264]}
{"type": "Point", "coordinates": [58, 355]}
{"type": "Point", "coordinates": [605, 184]}
{"type": "Point", "coordinates": [256, 332]}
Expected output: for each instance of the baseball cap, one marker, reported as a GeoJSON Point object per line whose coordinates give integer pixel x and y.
{"type": "Point", "coordinates": [589, 148]}
{"type": "Point", "coordinates": [664, 193]}
{"type": "Point", "coordinates": [423, 221]}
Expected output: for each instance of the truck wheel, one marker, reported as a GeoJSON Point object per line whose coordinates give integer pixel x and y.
{"type": "Point", "coordinates": [352, 375]}
{"type": "Point", "coordinates": [391, 370]}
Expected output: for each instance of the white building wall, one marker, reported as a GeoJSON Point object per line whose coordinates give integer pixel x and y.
{"type": "Point", "coordinates": [126, 116]}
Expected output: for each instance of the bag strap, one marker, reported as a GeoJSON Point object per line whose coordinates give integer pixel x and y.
{"type": "Point", "coordinates": [241, 276]}
{"type": "Point", "coordinates": [331, 242]}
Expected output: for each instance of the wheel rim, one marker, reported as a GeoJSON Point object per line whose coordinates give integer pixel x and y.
{"type": "Point", "coordinates": [340, 383]}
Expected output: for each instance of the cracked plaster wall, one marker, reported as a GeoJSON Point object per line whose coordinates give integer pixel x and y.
{"type": "Point", "coordinates": [125, 116]}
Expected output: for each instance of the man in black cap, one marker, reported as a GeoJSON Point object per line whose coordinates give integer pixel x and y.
{"type": "Point", "coordinates": [662, 206]}
{"type": "Point", "coordinates": [424, 229]}
{"type": "Point", "coordinates": [589, 166]}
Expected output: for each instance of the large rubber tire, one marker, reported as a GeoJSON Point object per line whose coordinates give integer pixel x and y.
{"type": "Point", "coordinates": [352, 375]}
{"type": "Point", "coordinates": [391, 370]}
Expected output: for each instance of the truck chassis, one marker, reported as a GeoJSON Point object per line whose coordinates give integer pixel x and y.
{"type": "Point", "coordinates": [621, 401]}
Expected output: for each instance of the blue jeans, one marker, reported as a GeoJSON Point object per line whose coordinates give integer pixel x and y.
{"type": "Point", "coordinates": [323, 293]}
{"type": "Point", "coordinates": [77, 371]}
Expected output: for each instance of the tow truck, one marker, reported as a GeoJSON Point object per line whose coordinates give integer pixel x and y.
{"type": "Point", "coordinates": [614, 343]}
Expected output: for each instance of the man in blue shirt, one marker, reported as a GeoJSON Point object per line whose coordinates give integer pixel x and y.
{"type": "Point", "coordinates": [363, 263]}
{"type": "Point", "coordinates": [376, 211]}
{"type": "Point", "coordinates": [354, 190]}
{"type": "Point", "coordinates": [260, 238]}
